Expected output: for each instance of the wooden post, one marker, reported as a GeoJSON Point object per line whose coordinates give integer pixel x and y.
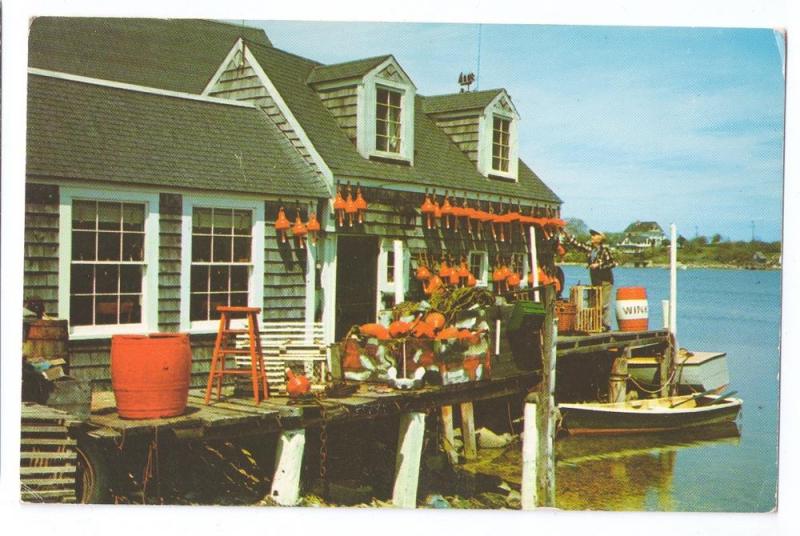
{"type": "Point", "coordinates": [618, 381]}
{"type": "Point", "coordinates": [665, 371]}
{"type": "Point", "coordinates": [447, 431]}
{"type": "Point", "coordinates": [546, 407]}
{"type": "Point", "coordinates": [468, 431]}
{"type": "Point", "coordinates": [530, 447]}
{"type": "Point", "coordinates": [288, 462]}
{"type": "Point", "coordinates": [409, 451]}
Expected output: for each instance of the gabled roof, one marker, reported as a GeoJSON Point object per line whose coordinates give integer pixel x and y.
{"type": "Point", "coordinates": [644, 227]}
{"type": "Point", "coordinates": [460, 101]}
{"type": "Point", "coordinates": [87, 131]}
{"type": "Point", "coordinates": [350, 69]}
{"type": "Point", "coordinates": [438, 162]}
{"type": "Point", "coordinates": [174, 54]}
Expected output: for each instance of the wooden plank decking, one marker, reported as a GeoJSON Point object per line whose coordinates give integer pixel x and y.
{"type": "Point", "coordinates": [236, 417]}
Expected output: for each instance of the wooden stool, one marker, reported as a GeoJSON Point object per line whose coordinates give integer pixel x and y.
{"type": "Point", "coordinates": [225, 345]}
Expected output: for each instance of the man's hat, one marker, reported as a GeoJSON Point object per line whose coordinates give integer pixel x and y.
{"type": "Point", "coordinates": [597, 233]}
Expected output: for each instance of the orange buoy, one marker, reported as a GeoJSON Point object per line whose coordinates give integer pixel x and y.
{"type": "Point", "coordinates": [428, 209]}
{"type": "Point", "coordinates": [632, 309]}
{"type": "Point", "coordinates": [361, 205]}
{"type": "Point", "coordinates": [282, 224]}
{"type": "Point", "coordinates": [299, 230]}
{"type": "Point", "coordinates": [313, 227]}
{"type": "Point", "coordinates": [339, 205]}
{"type": "Point", "coordinates": [423, 274]}
{"type": "Point", "coordinates": [150, 374]}
{"type": "Point", "coordinates": [350, 207]}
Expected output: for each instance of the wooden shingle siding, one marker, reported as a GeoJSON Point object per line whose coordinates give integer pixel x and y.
{"type": "Point", "coordinates": [169, 262]}
{"type": "Point", "coordinates": [239, 81]}
{"type": "Point", "coordinates": [41, 245]}
{"type": "Point", "coordinates": [284, 269]}
{"type": "Point", "coordinates": [342, 104]}
{"type": "Point", "coordinates": [463, 130]}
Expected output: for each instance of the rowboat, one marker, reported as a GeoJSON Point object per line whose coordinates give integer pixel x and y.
{"type": "Point", "coordinates": [649, 415]}
{"type": "Point", "coordinates": [695, 371]}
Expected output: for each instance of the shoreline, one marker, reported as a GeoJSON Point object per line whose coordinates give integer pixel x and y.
{"type": "Point", "coordinates": [687, 266]}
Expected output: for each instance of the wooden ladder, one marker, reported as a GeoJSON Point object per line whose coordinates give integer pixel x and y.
{"type": "Point", "coordinates": [226, 346]}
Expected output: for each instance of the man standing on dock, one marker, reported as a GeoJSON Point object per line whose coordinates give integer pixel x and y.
{"type": "Point", "coordinates": [600, 263]}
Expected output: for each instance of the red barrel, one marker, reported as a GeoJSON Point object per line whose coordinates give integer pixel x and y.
{"type": "Point", "coordinates": [150, 374]}
{"type": "Point", "coordinates": [632, 309]}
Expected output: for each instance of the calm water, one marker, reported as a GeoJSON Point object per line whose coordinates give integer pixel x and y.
{"type": "Point", "coordinates": [727, 310]}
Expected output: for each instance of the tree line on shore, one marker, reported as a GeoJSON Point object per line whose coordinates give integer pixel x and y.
{"type": "Point", "coordinates": [698, 251]}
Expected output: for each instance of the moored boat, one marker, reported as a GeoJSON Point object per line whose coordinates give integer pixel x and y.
{"type": "Point", "coordinates": [650, 415]}
{"type": "Point", "coordinates": [695, 371]}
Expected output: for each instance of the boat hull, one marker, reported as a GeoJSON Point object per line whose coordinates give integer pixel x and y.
{"type": "Point", "coordinates": [626, 419]}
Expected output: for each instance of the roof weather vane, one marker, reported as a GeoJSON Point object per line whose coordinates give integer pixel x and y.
{"type": "Point", "coordinates": [465, 80]}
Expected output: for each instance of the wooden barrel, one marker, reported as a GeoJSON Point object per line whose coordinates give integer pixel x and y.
{"type": "Point", "coordinates": [150, 374]}
{"type": "Point", "coordinates": [45, 338]}
{"type": "Point", "coordinates": [632, 309]}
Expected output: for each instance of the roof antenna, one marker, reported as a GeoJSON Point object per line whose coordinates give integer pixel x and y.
{"type": "Point", "coordinates": [478, 77]}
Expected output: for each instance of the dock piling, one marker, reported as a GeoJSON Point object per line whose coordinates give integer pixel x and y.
{"type": "Point", "coordinates": [409, 452]}
{"type": "Point", "coordinates": [618, 381]}
{"type": "Point", "coordinates": [288, 463]}
{"type": "Point", "coordinates": [468, 431]}
{"type": "Point", "coordinates": [446, 418]}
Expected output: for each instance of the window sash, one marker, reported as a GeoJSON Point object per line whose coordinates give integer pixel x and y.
{"type": "Point", "coordinates": [501, 143]}
{"type": "Point", "coordinates": [388, 124]}
{"type": "Point", "coordinates": [95, 226]}
{"type": "Point", "coordinates": [227, 231]}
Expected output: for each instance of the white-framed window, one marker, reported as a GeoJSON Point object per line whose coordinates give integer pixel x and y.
{"type": "Point", "coordinates": [108, 261]}
{"type": "Point", "coordinates": [479, 266]}
{"type": "Point", "coordinates": [501, 142]}
{"type": "Point", "coordinates": [385, 114]}
{"type": "Point", "coordinates": [388, 122]}
{"type": "Point", "coordinates": [222, 258]}
{"type": "Point", "coordinates": [394, 271]}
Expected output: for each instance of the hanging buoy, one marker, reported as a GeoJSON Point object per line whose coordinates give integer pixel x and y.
{"type": "Point", "coordinates": [339, 206]}
{"type": "Point", "coordinates": [428, 209]}
{"type": "Point", "coordinates": [437, 212]}
{"type": "Point", "coordinates": [433, 285]}
{"type": "Point", "coordinates": [299, 231]}
{"type": "Point", "coordinates": [313, 226]}
{"type": "Point", "coordinates": [282, 224]}
{"type": "Point", "coordinates": [447, 209]}
{"type": "Point", "coordinates": [350, 207]}
{"type": "Point", "coordinates": [361, 205]}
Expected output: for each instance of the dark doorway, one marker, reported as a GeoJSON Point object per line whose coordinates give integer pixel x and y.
{"type": "Point", "coordinates": [356, 282]}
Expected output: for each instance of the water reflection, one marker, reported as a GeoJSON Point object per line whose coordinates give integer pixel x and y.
{"type": "Point", "coordinates": [632, 472]}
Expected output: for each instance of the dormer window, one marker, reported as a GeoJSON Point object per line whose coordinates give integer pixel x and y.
{"type": "Point", "coordinates": [501, 141]}
{"type": "Point", "coordinates": [388, 122]}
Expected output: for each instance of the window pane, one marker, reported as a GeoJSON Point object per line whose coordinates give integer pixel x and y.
{"type": "Point", "coordinates": [199, 278]}
{"type": "Point", "coordinates": [222, 249]}
{"type": "Point", "coordinates": [201, 248]}
{"type": "Point", "coordinates": [83, 245]}
{"type": "Point", "coordinates": [495, 163]}
{"type": "Point", "coordinates": [133, 217]}
{"type": "Point", "coordinates": [108, 246]}
{"type": "Point", "coordinates": [201, 220]}
{"type": "Point", "coordinates": [109, 216]}
{"type": "Point", "coordinates": [496, 136]}
{"type": "Point", "coordinates": [243, 222]}
{"type": "Point", "coordinates": [381, 128]}
{"type": "Point", "coordinates": [132, 247]}
{"type": "Point", "coordinates": [217, 300]}
{"type": "Point", "coordinates": [84, 214]}
{"type": "Point", "coordinates": [130, 309]}
{"type": "Point", "coordinates": [223, 221]}
{"type": "Point", "coordinates": [239, 277]}
{"type": "Point", "coordinates": [105, 310]}
{"type": "Point", "coordinates": [106, 278]}
{"type": "Point", "coordinates": [239, 299]}
{"type": "Point", "coordinates": [219, 278]}
{"type": "Point", "coordinates": [382, 143]}
{"type": "Point", "coordinates": [241, 249]}
{"type": "Point", "coordinates": [82, 279]}
{"type": "Point", "coordinates": [199, 307]}
{"type": "Point", "coordinates": [80, 310]}
{"type": "Point", "coordinates": [130, 279]}
{"type": "Point", "coordinates": [394, 98]}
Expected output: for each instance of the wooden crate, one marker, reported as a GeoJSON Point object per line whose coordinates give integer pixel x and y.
{"type": "Point", "coordinates": [588, 303]}
{"type": "Point", "coordinates": [48, 456]}
{"type": "Point", "coordinates": [290, 344]}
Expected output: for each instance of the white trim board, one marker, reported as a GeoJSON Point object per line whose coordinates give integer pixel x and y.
{"type": "Point", "coordinates": [150, 281]}
{"type": "Point", "coordinates": [133, 87]}
{"type": "Point", "coordinates": [255, 292]}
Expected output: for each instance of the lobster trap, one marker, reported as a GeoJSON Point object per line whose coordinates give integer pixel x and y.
{"type": "Point", "coordinates": [588, 301]}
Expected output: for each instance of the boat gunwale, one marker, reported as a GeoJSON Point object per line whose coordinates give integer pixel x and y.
{"type": "Point", "coordinates": [618, 407]}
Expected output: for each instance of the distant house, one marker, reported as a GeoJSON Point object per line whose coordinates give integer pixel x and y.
{"type": "Point", "coordinates": [641, 235]}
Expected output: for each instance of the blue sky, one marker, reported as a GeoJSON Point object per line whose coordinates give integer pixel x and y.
{"type": "Point", "coordinates": [679, 125]}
